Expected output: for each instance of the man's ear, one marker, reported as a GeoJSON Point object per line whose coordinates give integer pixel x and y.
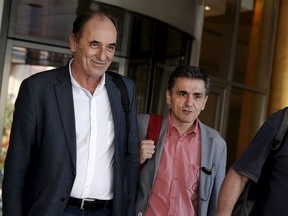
{"type": "Point", "coordinates": [168, 97]}
{"type": "Point", "coordinates": [72, 42]}
{"type": "Point", "coordinates": [204, 103]}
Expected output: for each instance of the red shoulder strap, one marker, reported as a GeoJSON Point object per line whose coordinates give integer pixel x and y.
{"type": "Point", "coordinates": [154, 127]}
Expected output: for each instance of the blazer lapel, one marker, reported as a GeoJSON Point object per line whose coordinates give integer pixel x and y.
{"type": "Point", "coordinates": [116, 108]}
{"type": "Point", "coordinates": [114, 97]}
{"type": "Point", "coordinates": [64, 96]}
{"type": "Point", "coordinates": [206, 163]}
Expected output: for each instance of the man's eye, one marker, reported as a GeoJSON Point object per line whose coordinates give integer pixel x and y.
{"type": "Point", "coordinates": [181, 94]}
{"type": "Point", "coordinates": [93, 44]}
{"type": "Point", "coordinates": [111, 48]}
{"type": "Point", "coordinates": [198, 96]}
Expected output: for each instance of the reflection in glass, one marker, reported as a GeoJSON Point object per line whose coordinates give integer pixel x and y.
{"type": "Point", "coordinates": [25, 62]}
{"type": "Point", "coordinates": [216, 40]}
{"type": "Point", "coordinates": [139, 73]}
{"type": "Point", "coordinates": [248, 46]}
{"type": "Point", "coordinates": [246, 114]}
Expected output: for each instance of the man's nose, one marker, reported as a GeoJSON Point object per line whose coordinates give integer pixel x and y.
{"type": "Point", "coordinates": [101, 54]}
{"type": "Point", "coordinates": [190, 99]}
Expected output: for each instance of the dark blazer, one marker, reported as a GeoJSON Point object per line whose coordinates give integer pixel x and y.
{"type": "Point", "coordinates": [40, 166]}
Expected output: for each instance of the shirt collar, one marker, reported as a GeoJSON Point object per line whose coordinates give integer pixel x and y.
{"type": "Point", "coordinates": [171, 125]}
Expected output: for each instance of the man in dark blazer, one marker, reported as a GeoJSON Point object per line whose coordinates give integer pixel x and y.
{"type": "Point", "coordinates": [55, 121]}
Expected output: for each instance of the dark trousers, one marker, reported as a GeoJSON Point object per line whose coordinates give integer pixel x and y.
{"type": "Point", "coordinates": [75, 211]}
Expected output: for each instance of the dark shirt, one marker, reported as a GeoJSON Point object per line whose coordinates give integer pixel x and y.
{"type": "Point", "coordinates": [250, 164]}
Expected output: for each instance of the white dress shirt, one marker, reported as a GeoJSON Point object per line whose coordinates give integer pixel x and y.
{"type": "Point", "coordinates": [95, 142]}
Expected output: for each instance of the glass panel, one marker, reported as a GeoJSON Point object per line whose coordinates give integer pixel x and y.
{"type": "Point", "coordinates": [173, 48]}
{"type": "Point", "coordinates": [142, 37]}
{"type": "Point", "coordinates": [139, 72]}
{"type": "Point", "coordinates": [43, 19]}
{"type": "Point", "coordinates": [158, 102]}
{"type": "Point", "coordinates": [156, 50]}
{"type": "Point", "coordinates": [25, 62]}
{"type": "Point", "coordinates": [53, 20]}
{"type": "Point", "coordinates": [248, 45]}
{"type": "Point", "coordinates": [216, 38]}
{"type": "Point", "coordinates": [246, 114]}
{"type": "Point", "coordinates": [212, 115]}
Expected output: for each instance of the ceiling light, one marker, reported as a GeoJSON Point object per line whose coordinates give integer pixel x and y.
{"type": "Point", "coordinates": [207, 8]}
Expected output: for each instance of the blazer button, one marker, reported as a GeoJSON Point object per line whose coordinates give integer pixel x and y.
{"type": "Point", "coordinates": [140, 214]}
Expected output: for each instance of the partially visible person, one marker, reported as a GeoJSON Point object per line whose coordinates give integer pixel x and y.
{"type": "Point", "coordinates": [273, 193]}
{"type": "Point", "coordinates": [72, 150]}
{"type": "Point", "coordinates": [182, 174]}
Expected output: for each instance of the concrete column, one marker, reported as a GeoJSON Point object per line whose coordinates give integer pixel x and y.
{"type": "Point", "coordinates": [279, 80]}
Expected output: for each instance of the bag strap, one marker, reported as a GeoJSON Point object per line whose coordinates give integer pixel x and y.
{"type": "Point", "coordinates": [118, 81]}
{"type": "Point", "coordinates": [277, 141]}
{"type": "Point", "coordinates": [154, 127]}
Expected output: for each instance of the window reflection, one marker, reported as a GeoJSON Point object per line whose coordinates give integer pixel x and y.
{"type": "Point", "coordinates": [24, 63]}
{"type": "Point", "coordinates": [243, 121]}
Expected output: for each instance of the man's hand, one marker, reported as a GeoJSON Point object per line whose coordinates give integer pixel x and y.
{"type": "Point", "coordinates": [147, 149]}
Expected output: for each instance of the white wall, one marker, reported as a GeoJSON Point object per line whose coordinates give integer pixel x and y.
{"type": "Point", "coordinates": [178, 13]}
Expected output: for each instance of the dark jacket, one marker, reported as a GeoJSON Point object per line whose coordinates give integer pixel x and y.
{"type": "Point", "coordinates": [40, 167]}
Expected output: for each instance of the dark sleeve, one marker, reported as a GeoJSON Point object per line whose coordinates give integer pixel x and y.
{"type": "Point", "coordinates": [253, 158]}
{"type": "Point", "coordinates": [19, 152]}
